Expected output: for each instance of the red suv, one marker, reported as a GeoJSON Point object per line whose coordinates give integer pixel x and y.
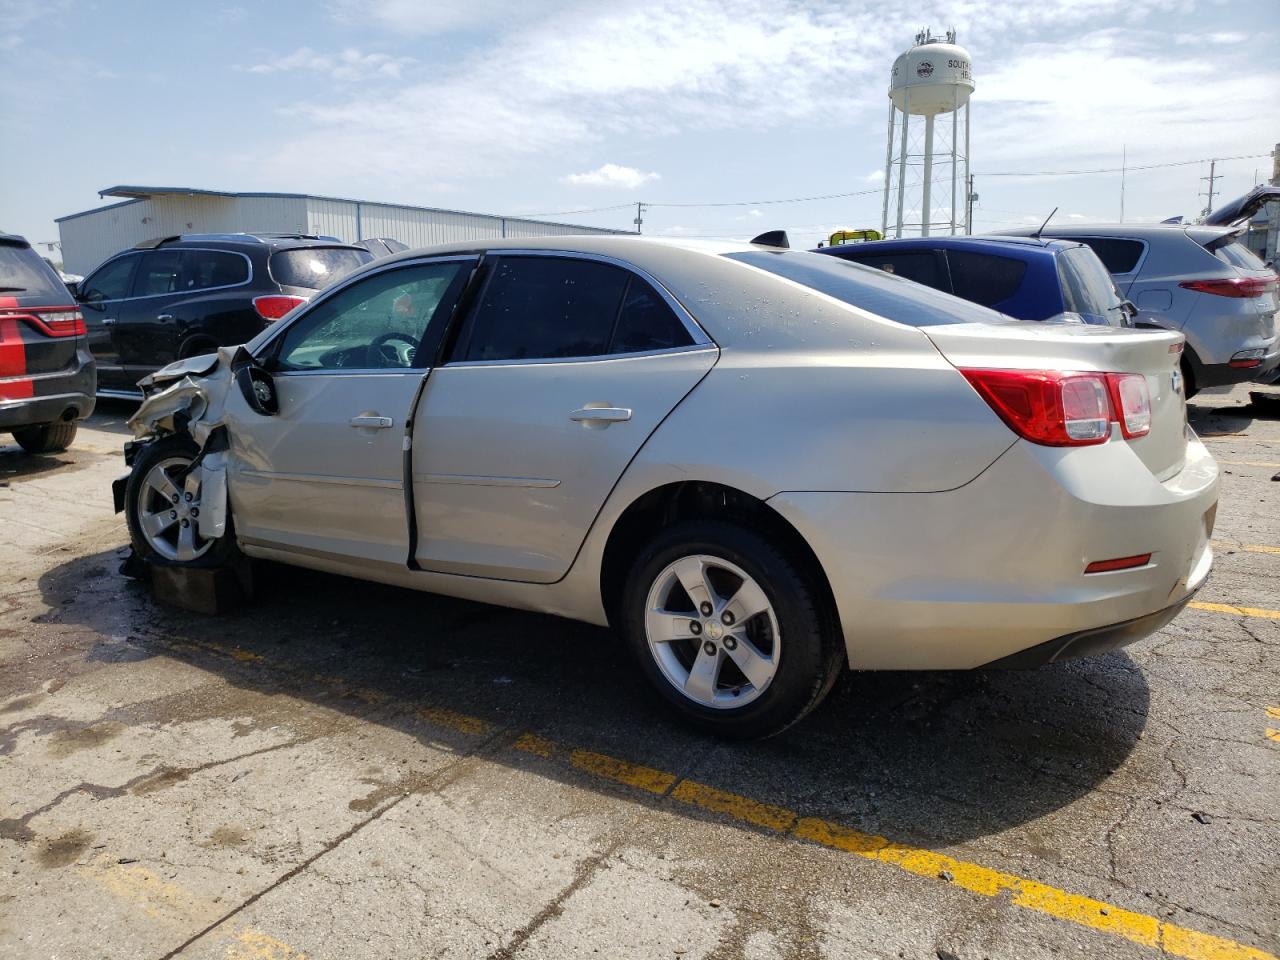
{"type": "Point", "coordinates": [47, 377]}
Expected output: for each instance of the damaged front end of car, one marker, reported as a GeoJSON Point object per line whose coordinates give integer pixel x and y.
{"type": "Point", "coordinates": [189, 397]}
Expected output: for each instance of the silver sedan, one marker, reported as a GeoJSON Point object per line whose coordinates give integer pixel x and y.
{"type": "Point", "coordinates": [758, 465]}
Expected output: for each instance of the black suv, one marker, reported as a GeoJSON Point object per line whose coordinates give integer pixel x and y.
{"type": "Point", "coordinates": [46, 371]}
{"type": "Point", "coordinates": [179, 297]}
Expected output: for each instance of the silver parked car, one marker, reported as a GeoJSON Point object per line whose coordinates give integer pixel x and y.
{"type": "Point", "coordinates": [1200, 280]}
{"type": "Point", "coordinates": [758, 465]}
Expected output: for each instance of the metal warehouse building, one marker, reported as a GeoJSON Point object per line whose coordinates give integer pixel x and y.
{"type": "Point", "coordinates": [90, 237]}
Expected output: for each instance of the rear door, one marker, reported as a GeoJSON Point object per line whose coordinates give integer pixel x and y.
{"type": "Point", "coordinates": [557, 377]}
{"type": "Point", "coordinates": [326, 474]}
{"type": "Point", "coordinates": [103, 294]}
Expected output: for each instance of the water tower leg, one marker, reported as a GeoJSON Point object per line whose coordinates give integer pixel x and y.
{"type": "Point", "coordinates": [968, 178]}
{"type": "Point", "coordinates": [888, 170]}
{"type": "Point", "coordinates": [902, 160]}
{"type": "Point", "coordinates": [955, 129]}
{"type": "Point", "coordinates": [928, 175]}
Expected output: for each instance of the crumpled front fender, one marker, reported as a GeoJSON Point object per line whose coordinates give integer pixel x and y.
{"type": "Point", "coordinates": [182, 400]}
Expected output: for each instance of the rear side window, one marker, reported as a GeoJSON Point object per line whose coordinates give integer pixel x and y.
{"type": "Point", "coordinates": [540, 308]}
{"type": "Point", "coordinates": [202, 269]}
{"type": "Point", "coordinates": [315, 267]}
{"type": "Point", "coordinates": [111, 281]}
{"type": "Point", "coordinates": [158, 273]}
{"type": "Point", "coordinates": [983, 277]}
{"type": "Point", "coordinates": [921, 266]}
{"type": "Point", "coordinates": [1238, 255]}
{"type": "Point", "coordinates": [24, 275]}
{"type": "Point", "coordinates": [1087, 288]}
{"type": "Point", "coordinates": [646, 322]}
{"type": "Point", "coordinates": [874, 290]}
{"type": "Point", "coordinates": [1118, 256]}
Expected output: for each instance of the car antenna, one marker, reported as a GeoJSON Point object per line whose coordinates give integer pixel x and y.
{"type": "Point", "coordinates": [1040, 230]}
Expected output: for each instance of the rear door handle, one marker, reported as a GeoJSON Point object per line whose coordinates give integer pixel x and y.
{"type": "Point", "coordinates": [164, 316]}
{"type": "Point", "coordinates": [108, 321]}
{"type": "Point", "coordinates": [371, 423]}
{"type": "Point", "coordinates": [601, 414]}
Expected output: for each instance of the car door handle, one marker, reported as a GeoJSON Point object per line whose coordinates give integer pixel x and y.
{"type": "Point", "coordinates": [108, 321]}
{"type": "Point", "coordinates": [164, 316]}
{"type": "Point", "coordinates": [601, 414]}
{"type": "Point", "coordinates": [372, 423]}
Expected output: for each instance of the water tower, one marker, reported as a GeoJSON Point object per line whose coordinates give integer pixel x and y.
{"type": "Point", "coordinates": [926, 181]}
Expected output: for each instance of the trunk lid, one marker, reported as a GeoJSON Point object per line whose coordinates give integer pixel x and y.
{"type": "Point", "coordinates": [1032, 345]}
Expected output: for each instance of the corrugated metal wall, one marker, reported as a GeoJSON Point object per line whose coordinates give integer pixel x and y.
{"type": "Point", "coordinates": [90, 238]}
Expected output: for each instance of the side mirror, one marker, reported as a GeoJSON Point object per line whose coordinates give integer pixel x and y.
{"type": "Point", "coordinates": [256, 385]}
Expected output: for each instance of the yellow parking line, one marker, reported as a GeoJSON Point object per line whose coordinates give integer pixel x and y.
{"type": "Point", "coordinates": [1029, 894]}
{"type": "Point", "coordinates": [1245, 547]}
{"type": "Point", "coordinates": [1273, 713]}
{"type": "Point", "coordinates": [1273, 734]}
{"type": "Point", "coordinates": [1026, 893]}
{"type": "Point", "coordinates": [1235, 611]}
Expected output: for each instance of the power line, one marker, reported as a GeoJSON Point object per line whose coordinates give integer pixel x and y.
{"type": "Point", "coordinates": [761, 203]}
{"type": "Point", "coordinates": [566, 213]}
{"type": "Point", "coordinates": [1148, 166]}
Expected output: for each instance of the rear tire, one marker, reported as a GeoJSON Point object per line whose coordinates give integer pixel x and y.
{"type": "Point", "coordinates": [163, 531]}
{"type": "Point", "coordinates": [46, 437]}
{"type": "Point", "coordinates": [751, 675]}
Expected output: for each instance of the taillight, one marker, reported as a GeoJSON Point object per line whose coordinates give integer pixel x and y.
{"type": "Point", "coordinates": [276, 305]}
{"type": "Point", "coordinates": [51, 321]}
{"type": "Point", "coordinates": [1232, 286]}
{"type": "Point", "coordinates": [1046, 406]}
{"type": "Point", "coordinates": [1131, 400]}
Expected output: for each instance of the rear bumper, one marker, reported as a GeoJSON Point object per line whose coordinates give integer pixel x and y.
{"type": "Point", "coordinates": [49, 397]}
{"type": "Point", "coordinates": [1087, 643]}
{"type": "Point", "coordinates": [1223, 374]}
{"type": "Point", "coordinates": [971, 576]}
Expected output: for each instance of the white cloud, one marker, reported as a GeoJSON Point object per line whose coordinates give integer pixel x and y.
{"type": "Point", "coordinates": [349, 64]}
{"type": "Point", "coordinates": [611, 175]}
{"type": "Point", "coordinates": [424, 19]}
{"type": "Point", "coordinates": [1224, 38]}
{"type": "Point", "coordinates": [587, 75]}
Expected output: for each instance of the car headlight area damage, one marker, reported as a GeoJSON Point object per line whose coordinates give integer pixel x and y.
{"type": "Point", "coordinates": [188, 397]}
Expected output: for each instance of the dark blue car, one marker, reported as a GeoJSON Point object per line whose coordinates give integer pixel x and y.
{"type": "Point", "coordinates": [1025, 277]}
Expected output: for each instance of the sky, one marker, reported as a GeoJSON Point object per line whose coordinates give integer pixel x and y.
{"type": "Point", "coordinates": [703, 110]}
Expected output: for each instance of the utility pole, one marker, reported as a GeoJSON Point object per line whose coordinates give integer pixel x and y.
{"type": "Point", "coordinates": [1124, 161]}
{"type": "Point", "coordinates": [970, 198]}
{"type": "Point", "coordinates": [639, 220]}
{"type": "Point", "coordinates": [1212, 178]}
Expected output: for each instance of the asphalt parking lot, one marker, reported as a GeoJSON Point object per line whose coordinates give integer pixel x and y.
{"type": "Point", "coordinates": [344, 770]}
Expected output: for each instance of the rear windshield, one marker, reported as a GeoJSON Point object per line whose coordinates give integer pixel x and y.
{"type": "Point", "coordinates": [315, 267]}
{"type": "Point", "coordinates": [1238, 255]}
{"type": "Point", "coordinates": [1087, 288]}
{"type": "Point", "coordinates": [876, 291]}
{"type": "Point", "coordinates": [24, 276]}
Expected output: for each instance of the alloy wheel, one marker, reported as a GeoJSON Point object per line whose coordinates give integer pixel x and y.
{"type": "Point", "coordinates": [169, 510]}
{"type": "Point", "coordinates": [712, 631]}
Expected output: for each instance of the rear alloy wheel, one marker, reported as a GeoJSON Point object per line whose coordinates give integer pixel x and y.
{"type": "Point", "coordinates": [730, 630]}
{"type": "Point", "coordinates": [47, 437]}
{"type": "Point", "coordinates": [162, 504]}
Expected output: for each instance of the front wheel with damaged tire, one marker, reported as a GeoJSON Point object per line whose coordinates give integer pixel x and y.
{"type": "Point", "coordinates": [162, 508]}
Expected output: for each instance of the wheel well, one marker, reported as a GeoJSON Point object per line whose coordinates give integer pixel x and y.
{"type": "Point", "coordinates": [674, 502]}
{"type": "Point", "coordinates": [196, 345]}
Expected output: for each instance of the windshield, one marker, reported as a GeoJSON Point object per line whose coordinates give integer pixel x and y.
{"type": "Point", "coordinates": [876, 291]}
{"type": "Point", "coordinates": [315, 267]}
{"type": "Point", "coordinates": [1087, 288]}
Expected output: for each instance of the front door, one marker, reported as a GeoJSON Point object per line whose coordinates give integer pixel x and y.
{"type": "Point", "coordinates": [145, 331]}
{"type": "Point", "coordinates": [103, 294]}
{"type": "Point", "coordinates": [326, 474]}
{"type": "Point", "coordinates": [561, 373]}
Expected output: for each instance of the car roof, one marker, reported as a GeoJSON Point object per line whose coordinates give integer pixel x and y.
{"type": "Point", "coordinates": [988, 244]}
{"type": "Point", "coordinates": [273, 241]}
{"type": "Point", "coordinates": [1137, 231]}
{"type": "Point", "coordinates": [13, 240]}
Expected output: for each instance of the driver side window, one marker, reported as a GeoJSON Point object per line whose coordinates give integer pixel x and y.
{"type": "Point", "coordinates": [375, 324]}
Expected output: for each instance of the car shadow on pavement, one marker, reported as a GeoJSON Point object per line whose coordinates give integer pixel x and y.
{"type": "Point", "coordinates": [926, 758]}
